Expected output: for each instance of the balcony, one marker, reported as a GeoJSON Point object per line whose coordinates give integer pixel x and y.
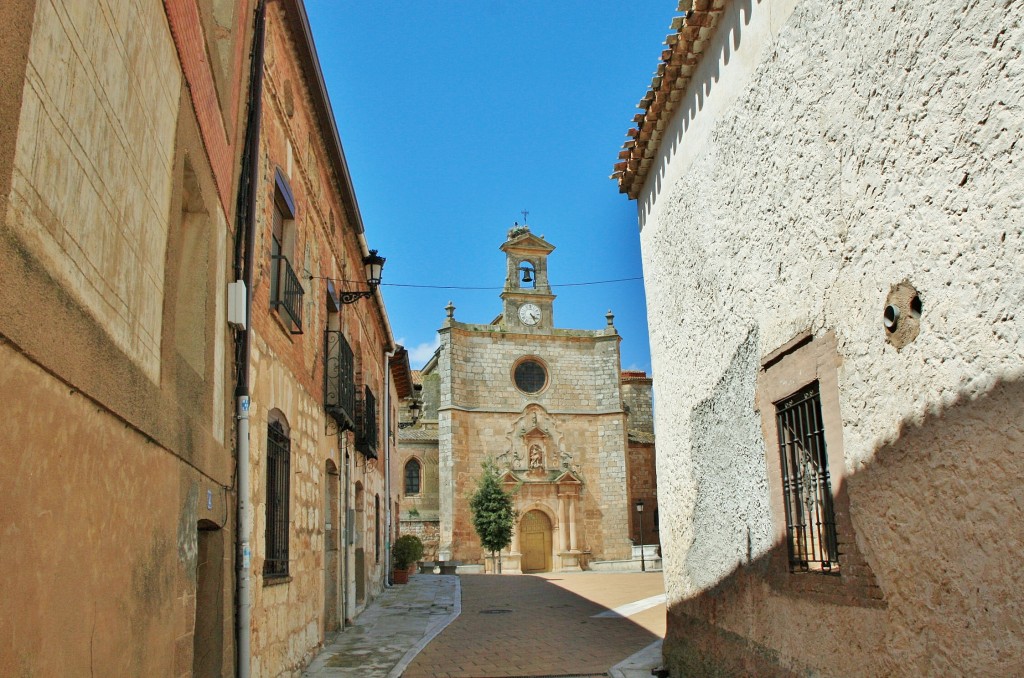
{"type": "Point", "coordinates": [366, 429]}
{"type": "Point", "coordinates": [339, 381]}
{"type": "Point", "coordinates": [285, 290]}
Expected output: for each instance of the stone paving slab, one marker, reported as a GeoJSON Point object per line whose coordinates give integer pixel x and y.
{"type": "Point", "coordinates": [527, 625]}
{"type": "Point", "coordinates": [392, 629]}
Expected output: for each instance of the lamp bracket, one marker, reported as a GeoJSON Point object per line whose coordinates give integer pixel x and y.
{"type": "Point", "coordinates": [353, 297]}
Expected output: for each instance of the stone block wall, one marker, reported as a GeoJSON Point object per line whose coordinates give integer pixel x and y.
{"type": "Point", "coordinates": [290, 613]}
{"type": "Point", "coordinates": [103, 137]}
{"type": "Point", "coordinates": [637, 396]}
{"type": "Point", "coordinates": [582, 371]}
{"type": "Point", "coordinates": [480, 406]}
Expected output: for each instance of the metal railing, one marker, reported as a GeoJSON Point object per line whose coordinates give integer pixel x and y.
{"type": "Point", "coordinates": [810, 517]}
{"type": "Point", "coordinates": [285, 289]}
{"type": "Point", "coordinates": [339, 380]}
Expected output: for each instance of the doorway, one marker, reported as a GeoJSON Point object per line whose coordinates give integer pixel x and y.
{"type": "Point", "coordinates": [208, 633]}
{"type": "Point", "coordinates": [360, 568]}
{"type": "Point", "coordinates": [332, 575]}
{"type": "Point", "coordinates": [535, 541]}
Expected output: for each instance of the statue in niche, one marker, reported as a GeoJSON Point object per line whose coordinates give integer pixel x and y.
{"type": "Point", "coordinates": [536, 457]}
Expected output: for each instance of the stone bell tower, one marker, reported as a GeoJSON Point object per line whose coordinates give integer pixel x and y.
{"type": "Point", "coordinates": [527, 298]}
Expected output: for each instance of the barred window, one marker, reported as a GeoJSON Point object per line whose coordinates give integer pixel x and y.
{"type": "Point", "coordinates": [412, 477]}
{"type": "Point", "coordinates": [810, 518]}
{"type": "Point", "coordinates": [278, 498]}
{"type": "Point", "coordinates": [285, 288]}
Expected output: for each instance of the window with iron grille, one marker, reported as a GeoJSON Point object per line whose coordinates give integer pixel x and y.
{"type": "Point", "coordinates": [285, 289]}
{"type": "Point", "coordinates": [278, 498]}
{"type": "Point", "coordinates": [366, 441]}
{"type": "Point", "coordinates": [810, 518]}
{"type": "Point", "coordinates": [412, 477]}
{"type": "Point", "coordinates": [339, 380]}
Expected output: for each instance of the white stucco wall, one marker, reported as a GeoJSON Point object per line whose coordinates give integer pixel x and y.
{"type": "Point", "coordinates": [824, 152]}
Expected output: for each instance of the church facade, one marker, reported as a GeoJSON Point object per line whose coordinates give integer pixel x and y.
{"type": "Point", "coordinates": [546, 405]}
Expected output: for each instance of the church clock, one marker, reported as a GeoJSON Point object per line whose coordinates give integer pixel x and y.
{"type": "Point", "coordinates": [529, 314]}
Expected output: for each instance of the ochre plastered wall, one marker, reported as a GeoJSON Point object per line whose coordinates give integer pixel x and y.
{"type": "Point", "coordinates": [83, 134]}
{"type": "Point", "coordinates": [99, 536]}
{"type": "Point", "coordinates": [811, 166]}
{"type": "Point", "coordinates": [113, 353]}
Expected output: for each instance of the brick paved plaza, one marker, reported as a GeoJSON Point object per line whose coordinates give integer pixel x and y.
{"type": "Point", "coordinates": [543, 625]}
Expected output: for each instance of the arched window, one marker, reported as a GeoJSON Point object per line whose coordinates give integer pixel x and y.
{"type": "Point", "coordinates": [278, 496]}
{"type": "Point", "coordinates": [412, 477]}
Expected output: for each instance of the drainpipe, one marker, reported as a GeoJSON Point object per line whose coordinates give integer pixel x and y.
{"type": "Point", "coordinates": [347, 569]}
{"type": "Point", "coordinates": [387, 466]}
{"type": "Point", "coordinates": [246, 223]}
{"type": "Point", "coordinates": [350, 517]}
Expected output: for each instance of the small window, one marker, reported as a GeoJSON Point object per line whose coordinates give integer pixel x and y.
{"type": "Point", "coordinates": [285, 289]}
{"type": "Point", "coordinates": [412, 477]}
{"type": "Point", "coordinates": [810, 517]}
{"type": "Point", "coordinates": [278, 499]}
{"type": "Point", "coordinates": [530, 376]}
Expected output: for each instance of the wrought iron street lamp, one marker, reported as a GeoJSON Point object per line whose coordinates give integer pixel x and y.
{"type": "Point", "coordinates": [373, 264]}
{"type": "Point", "coordinates": [414, 411]}
{"type": "Point", "coordinates": [640, 511]}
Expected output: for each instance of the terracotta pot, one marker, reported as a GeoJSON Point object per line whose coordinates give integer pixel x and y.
{"type": "Point", "coordinates": [401, 576]}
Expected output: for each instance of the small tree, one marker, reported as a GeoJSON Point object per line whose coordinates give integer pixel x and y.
{"type": "Point", "coordinates": [493, 512]}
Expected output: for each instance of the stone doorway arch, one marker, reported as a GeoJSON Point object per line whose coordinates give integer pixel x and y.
{"type": "Point", "coordinates": [535, 542]}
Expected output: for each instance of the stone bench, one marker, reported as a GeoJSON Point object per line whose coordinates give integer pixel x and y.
{"type": "Point", "coordinates": [448, 566]}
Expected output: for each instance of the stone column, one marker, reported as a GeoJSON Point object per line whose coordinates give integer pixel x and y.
{"type": "Point", "coordinates": [572, 522]}
{"type": "Point", "coordinates": [563, 533]}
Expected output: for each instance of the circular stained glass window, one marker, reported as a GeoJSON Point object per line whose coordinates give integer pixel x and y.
{"type": "Point", "coordinates": [530, 376]}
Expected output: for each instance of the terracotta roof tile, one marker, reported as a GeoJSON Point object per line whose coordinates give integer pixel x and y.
{"type": "Point", "coordinates": [692, 31]}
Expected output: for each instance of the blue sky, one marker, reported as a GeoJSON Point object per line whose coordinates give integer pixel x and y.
{"type": "Point", "coordinates": [456, 115]}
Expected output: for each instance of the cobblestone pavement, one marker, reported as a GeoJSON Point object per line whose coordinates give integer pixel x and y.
{"type": "Point", "coordinates": [543, 625]}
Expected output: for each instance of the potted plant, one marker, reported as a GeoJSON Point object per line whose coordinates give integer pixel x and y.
{"type": "Point", "coordinates": [406, 551]}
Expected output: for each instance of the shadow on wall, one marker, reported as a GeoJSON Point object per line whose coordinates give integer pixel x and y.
{"type": "Point", "coordinates": [933, 586]}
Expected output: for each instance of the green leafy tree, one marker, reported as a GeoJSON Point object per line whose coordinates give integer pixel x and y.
{"type": "Point", "coordinates": [493, 510]}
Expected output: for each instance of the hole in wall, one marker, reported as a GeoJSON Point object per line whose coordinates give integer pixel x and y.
{"type": "Point", "coordinates": [916, 306]}
{"type": "Point", "coordinates": [901, 315]}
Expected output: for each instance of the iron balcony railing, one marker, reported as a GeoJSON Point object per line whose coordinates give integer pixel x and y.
{"type": "Point", "coordinates": [366, 439]}
{"type": "Point", "coordinates": [810, 517]}
{"type": "Point", "coordinates": [285, 289]}
{"type": "Point", "coordinates": [339, 380]}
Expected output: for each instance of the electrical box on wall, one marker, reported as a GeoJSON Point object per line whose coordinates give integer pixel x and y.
{"type": "Point", "coordinates": [236, 304]}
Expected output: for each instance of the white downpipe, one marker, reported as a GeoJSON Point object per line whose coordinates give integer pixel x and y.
{"type": "Point", "coordinates": [245, 529]}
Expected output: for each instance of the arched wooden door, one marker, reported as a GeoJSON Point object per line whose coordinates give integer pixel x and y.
{"type": "Point", "coordinates": [535, 542]}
